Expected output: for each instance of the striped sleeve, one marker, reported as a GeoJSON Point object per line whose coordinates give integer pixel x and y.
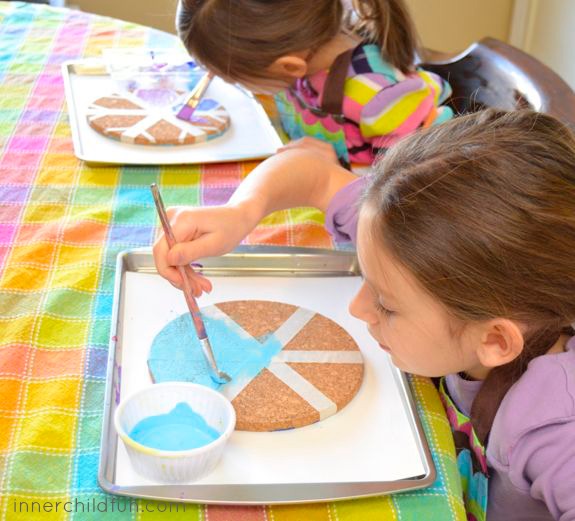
{"type": "Point", "coordinates": [400, 108]}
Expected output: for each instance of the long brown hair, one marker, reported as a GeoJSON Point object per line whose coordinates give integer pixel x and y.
{"type": "Point", "coordinates": [240, 39]}
{"type": "Point", "coordinates": [481, 210]}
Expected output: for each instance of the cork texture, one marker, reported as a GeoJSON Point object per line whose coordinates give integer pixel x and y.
{"type": "Point", "coordinates": [331, 335]}
{"type": "Point", "coordinates": [257, 317]}
{"type": "Point", "coordinates": [119, 118]}
{"type": "Point", "coordinates": [267, 403]}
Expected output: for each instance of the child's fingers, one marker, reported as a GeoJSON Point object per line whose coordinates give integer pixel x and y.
{"type": "Point", "coordinates": [160, 251]}
{"type": "Point", "coordinates": [196, 289]}
{"type": "Point", "coordinates": [186, 223]}
{"type": "Point", "coordinates": [172, 211]}
{"type": "Point", "coordinates": [183, 253]}
{"type": "Point", "coordinates": [163, 256]}
{"type": "Point", "coordinates": [205, 284]}
{"type": "Point", "coordinates": [200, 285]}
{"type": "Point", "coordinates": [177, 286]}
{"type": "Point", "coordinates": [172, 275]}
{"type": "Point", "coordinates": [166, 270]}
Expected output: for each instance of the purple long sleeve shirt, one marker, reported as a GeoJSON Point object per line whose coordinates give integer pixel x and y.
{"type": "Point", "coordinates": [531, 447]}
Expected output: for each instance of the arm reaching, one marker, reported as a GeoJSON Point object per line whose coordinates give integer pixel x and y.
{"type": "Point", "coordinates": [290, 179]}
{"type": "Point", "coordinates": [313, 144]}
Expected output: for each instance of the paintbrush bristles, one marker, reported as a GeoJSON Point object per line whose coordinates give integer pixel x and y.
{"type": "Point", "coordinates": [188, 109]}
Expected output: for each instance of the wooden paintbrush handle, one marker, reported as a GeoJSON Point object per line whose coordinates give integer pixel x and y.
{"type": "Point", "coordinates": [186, 272]}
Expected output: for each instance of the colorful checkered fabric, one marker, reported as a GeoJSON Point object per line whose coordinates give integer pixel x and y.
{"type": "Point", "coordinates": [62, 224]}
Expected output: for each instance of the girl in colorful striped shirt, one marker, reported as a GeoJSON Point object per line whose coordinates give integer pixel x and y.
{"type": "Point", "coordinates": [341, 73]}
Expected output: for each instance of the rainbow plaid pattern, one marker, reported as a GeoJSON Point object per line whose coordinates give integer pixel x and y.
{"type": "Point", "coordinates": [380, 106]}
{"type": "Point", "coordinates": [62, 224]}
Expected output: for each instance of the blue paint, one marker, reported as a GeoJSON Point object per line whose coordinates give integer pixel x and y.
{"type": "Point", "coordinates": [198, 120]}
{"type": "Point", "coordinates": [176, 356]}
{"type": "Point", "coordinates": [180, 429]}
{"type": "Point", "coordinates": [207, 104]}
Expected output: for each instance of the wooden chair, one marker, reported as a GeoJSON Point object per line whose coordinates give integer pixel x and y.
{"type": "Point", "coordinates": [492, 73]}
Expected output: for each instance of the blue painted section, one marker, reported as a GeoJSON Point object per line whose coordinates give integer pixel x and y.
{"type": "Point", "coordinates": [176, 353]}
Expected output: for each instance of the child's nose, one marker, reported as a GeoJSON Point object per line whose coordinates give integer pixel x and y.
{"type": "Point", "coordinates": [362, 307]}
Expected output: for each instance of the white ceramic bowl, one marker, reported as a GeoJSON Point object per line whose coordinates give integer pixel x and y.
{"type": "Point", "coordinates": [175, 466]}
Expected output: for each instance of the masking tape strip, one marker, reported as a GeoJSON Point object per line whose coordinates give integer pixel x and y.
{"type": "Point", "coordinates": [311, 394]}
{"type": "Point", "coordinates": [238, 384]}
{"type": "Point", "coordinates": [232, 389]}
{"type": "Point", "coordinates": [288, 330]}
{"type": "Point", "coordinates": [293, 325]}
{"type": "Point", "coordinates": [319, 357]}
{"type": "Point", "coordinates": [216, 313]}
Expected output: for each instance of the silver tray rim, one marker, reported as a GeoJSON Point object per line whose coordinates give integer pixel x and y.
{"type": "Point", "coordinates": [260, 261]}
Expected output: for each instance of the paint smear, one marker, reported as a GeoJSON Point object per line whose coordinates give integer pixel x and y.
{"type": "Point", "coordinates": [176, 355]}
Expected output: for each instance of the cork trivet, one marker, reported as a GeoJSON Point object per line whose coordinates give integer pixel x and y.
{"type": "Point", "coordinates": [317, 372]}
{"type": "Point", "coordinates": [258, 317]}
{"type": "Point", "coordinates": [126, 120]}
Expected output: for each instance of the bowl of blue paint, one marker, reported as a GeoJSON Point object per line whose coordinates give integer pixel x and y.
{"type": "Point", "coordinates": [175, 432]}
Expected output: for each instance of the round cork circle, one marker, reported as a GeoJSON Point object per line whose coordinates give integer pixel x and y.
{"type": "Point", "coordinates": [290, 366]}
{"type": "Point", "coordinates": [124, 119]}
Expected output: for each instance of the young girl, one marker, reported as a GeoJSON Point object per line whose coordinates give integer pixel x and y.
{"type": "Point", "coordinates": [348, 74]}
{"type": "Point", "coordinates": [465, 237]}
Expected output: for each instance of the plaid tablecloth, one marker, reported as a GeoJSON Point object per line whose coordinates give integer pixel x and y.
{"type": "Point", "coordinates": [62, 224]}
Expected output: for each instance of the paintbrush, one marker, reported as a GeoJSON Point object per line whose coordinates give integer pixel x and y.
{"type": "Point", "coordinates": [187, 273]}
{"type": "Point", "coordinates": [189, 107]}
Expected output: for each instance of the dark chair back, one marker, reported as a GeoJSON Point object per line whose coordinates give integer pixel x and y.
{"type": "Point", "coordinates": [492, 73]}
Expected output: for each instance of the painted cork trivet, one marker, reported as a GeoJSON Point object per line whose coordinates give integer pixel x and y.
{"type": "Point", "coordinates": [290, 367]}
{"type": "Point", "coordinates": [122, 118]}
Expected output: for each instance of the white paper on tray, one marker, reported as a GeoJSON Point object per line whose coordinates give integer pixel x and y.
{"type": "Point", "coordinates": [371, 439]}
{"type": "Point", "coordinates": [251, 134]}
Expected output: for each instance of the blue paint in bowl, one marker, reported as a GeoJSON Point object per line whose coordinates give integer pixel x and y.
{"type": "Point", "coordinates": [180, 429]}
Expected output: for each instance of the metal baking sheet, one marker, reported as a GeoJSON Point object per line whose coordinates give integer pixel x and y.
{"type": "Point", "coordinates": [375, 445]}
{"type": "Point", "coordinates": [251, 134]}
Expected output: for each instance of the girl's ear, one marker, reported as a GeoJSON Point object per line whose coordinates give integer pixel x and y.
{"type": "Point", "coordinates": [289, 66]}
{"type": "Point", "coordinates": [501, 342]}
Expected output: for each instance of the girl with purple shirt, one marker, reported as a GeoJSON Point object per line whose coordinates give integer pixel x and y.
{"type": "Point", "coordinates": [465, 236]}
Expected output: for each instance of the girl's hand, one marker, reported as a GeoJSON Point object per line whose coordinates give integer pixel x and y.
{"type": "Point", "coordinates": [296, 177]}
{"type": "Point", "coordinates": [312, 144]}
{"type": "Point", "coordinates": [200, 232]}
